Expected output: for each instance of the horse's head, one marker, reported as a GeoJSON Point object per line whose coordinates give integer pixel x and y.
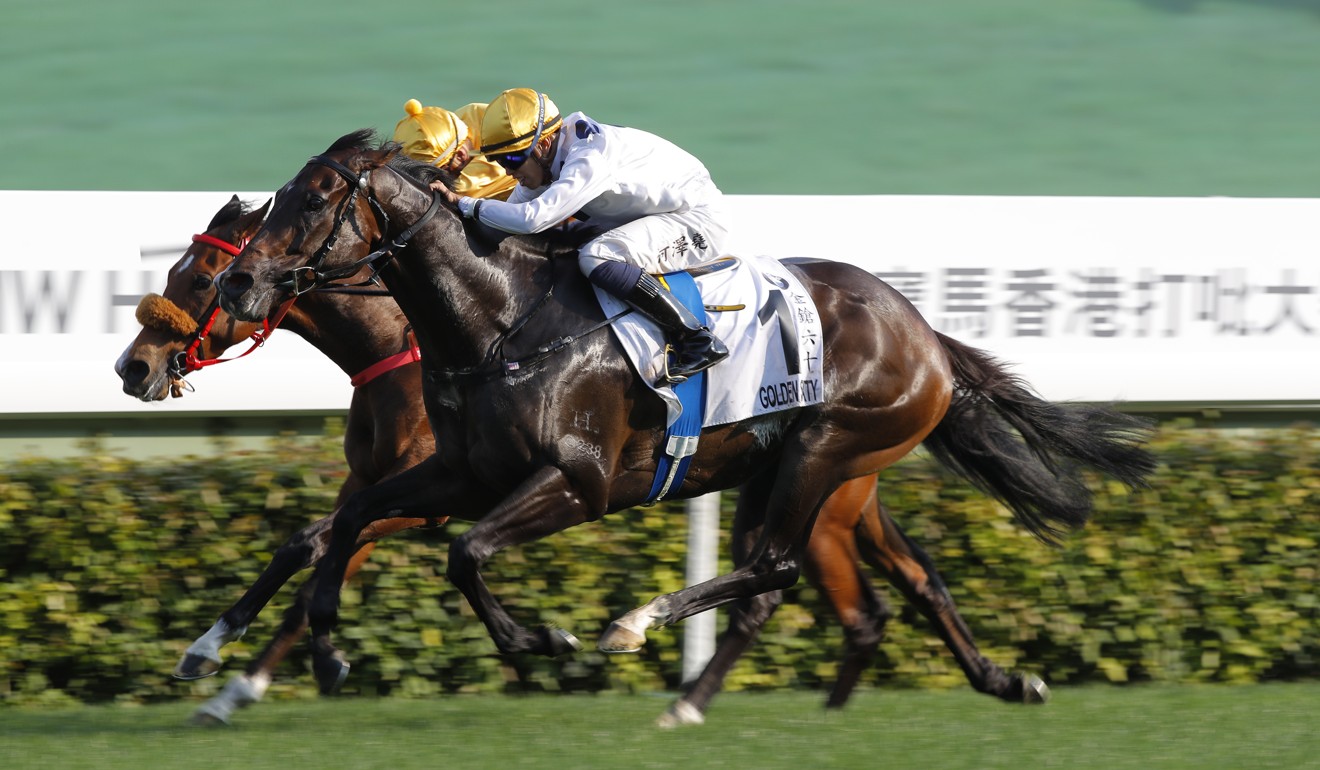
{"type": "Point", "coordinates": [321, 225]}
{"type": "Point", "coordinates": [184, 324]}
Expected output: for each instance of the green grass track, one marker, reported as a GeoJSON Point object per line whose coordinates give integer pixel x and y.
{"type": "Point", "coordinates": [1106, 728]}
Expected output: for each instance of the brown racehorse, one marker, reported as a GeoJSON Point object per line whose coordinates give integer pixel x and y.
{"type": "Point", "coordinates": [508, 359]}
{"type": "Point", "coordinates": [851, 524]}
{"type": "Point", "coordinates": [382, 438]}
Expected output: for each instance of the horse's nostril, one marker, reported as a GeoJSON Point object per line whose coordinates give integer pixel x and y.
{"type": "Point", "coordinates": [134, 373]}
{"type": "Point", "coordinates": [235, 284]}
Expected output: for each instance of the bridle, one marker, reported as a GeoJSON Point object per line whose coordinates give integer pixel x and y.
{"type": "Point", "coordinates": [187, 361]}
{"type": "Point", "coordinates": [312, 276]}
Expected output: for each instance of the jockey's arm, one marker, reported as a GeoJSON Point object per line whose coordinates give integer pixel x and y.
{"type": "Point", "coordinates": [580, 181]}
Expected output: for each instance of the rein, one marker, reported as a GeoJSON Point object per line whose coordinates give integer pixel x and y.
{"type": "Point", "coordinates": [410, 356]}
{"type": "Point", "coordinates": [312, 277]}
{"type": "Point", "coordinates": [186, 362]}
{"type": "Point", "coordinates": [488, 366]}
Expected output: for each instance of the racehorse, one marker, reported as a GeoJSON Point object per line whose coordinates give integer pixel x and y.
{"type": "Point", "coordinates": [510, 360]}
{"type": "Point", "coordinates": [173, 343]}
{"type": "Point", "coordinates": [184, 330]}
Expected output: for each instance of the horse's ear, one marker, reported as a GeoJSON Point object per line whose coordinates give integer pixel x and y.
{"type": "Point", "coordinates": [257, 220]}
{"type": "Point", "coordinates": [228, 213]}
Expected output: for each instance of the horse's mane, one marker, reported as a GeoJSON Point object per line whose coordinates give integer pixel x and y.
{"type": "Point", "coordinates": [420, 171]}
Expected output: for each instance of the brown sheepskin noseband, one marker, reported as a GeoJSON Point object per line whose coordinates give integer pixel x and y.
{"type": "Point", "coordinates": [156, 312]}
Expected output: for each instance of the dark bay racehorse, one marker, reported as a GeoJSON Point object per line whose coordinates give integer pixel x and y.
{"type": "Point", "coordinates": [514, 460]}
{"type": "Point", "coordinates": [851, 524]}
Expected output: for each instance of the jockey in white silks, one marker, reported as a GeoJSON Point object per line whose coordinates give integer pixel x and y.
{"type": "Point", "coordinates": [653, 204]}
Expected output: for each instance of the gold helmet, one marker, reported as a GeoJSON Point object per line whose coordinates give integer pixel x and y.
{"type": "Point", "coordinates": [429, 134]}
{"type": "Point", "coordinates": [517, 119]}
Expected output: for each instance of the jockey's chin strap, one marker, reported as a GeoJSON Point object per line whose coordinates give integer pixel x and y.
{"type": "Point", "coordinates": [311, 276]}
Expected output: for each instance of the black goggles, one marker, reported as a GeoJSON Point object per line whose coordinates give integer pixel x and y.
{"type": "Point", "coordinates": [512, 161]}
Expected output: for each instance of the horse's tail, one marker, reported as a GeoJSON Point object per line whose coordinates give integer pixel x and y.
{"type": "Point", "coordinates": [1027, 452]}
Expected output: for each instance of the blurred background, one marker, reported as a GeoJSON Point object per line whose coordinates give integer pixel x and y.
{"type": "Point", "coordinates": [1191, 581]}
{"type": "Point", "coordinates": [1090, 97]}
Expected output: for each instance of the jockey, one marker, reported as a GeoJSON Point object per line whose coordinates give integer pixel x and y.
{"type": "Point", "coordinates": [654, 205]}
{"type": "Point", "coordinates": [450, 141]}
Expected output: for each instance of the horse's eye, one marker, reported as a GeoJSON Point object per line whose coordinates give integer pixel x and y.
{"type": "Point", "coordinates": [315, 203]}
{"type": "Point", "coordinates": [201, 282]}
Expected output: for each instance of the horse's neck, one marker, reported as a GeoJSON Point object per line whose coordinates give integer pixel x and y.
{"type": "Point", "coordinates": [353, 331]}
{"type": "Point", "coordinates": [459, 301]}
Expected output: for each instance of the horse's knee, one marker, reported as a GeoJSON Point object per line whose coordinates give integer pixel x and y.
{"type": "Point", "coordinates": [777, 574]}
{"type": "Point", "coordinates": [465, 557]}
{"type": "Point", "coordinates": [299, 550]}
{"type": "Point", "coordinates": [748, 616]}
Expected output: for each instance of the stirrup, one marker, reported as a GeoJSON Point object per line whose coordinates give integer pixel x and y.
{"type": "Point", "coordinates": [713, 356]}
{"type": "Point", "coordinates": [666, 378]}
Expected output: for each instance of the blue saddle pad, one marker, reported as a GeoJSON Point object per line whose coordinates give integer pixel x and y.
{"type": "Point", "coordinates": [681, 437]}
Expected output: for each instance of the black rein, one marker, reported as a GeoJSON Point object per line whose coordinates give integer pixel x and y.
{"type": "Point", "coordinates": [494, 363]}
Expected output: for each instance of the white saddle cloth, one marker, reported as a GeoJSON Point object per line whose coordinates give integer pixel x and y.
{"type": "Point", "coordinates": [774, 343]}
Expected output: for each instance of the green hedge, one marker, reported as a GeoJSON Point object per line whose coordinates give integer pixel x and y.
{"type": "Point", "coordinates": [109, 567]}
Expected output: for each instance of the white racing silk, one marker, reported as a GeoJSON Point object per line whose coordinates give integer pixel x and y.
{"type": "Point", "coordinates": [774, 343]}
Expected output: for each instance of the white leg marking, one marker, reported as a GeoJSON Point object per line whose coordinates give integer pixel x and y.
{"type": "Point", "coordinates": [242, 690]}
{"type": "Point", "coordinates": [679, 714]}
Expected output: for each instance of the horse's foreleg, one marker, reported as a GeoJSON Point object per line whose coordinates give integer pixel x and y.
{"type": "Point", "coordinates": [418, 493]}
{"type": "Point", "coordinates": [543, 504]}
{"type": "Point", "coordinates": [249, 687]}
{"type": "Point", "coordinates": [906, 566]}
{"type": "Point", "coordinates": [202, 658]}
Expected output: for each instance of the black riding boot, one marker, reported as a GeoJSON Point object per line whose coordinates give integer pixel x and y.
{"type": "Point", "coordinates": [697, 348]}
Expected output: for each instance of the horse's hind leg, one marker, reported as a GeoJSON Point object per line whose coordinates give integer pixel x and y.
{"type": "Point", "coordinates": [907, 567]}
{"type": "Point", "coordinates": [746, 619]}
{"type": "Point", "coordinates": [808, 471]}
{"type": "Point", "coordinates": [831, 564]}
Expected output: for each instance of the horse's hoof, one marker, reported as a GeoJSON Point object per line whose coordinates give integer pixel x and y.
{"type": "Point", "coordinates": [1034, 691]}
{"type": "Point", "coordinates": [193, 666]}
{"type": "Point", "coordinates": [680, 714]}
{"type": "Point", "coordinates": [559, 642]}
{"type": "Point", "coordinates": [330, 671]}
{"type": "Point", "coordinates": [619, 639]}
{"type": "Point", "coordinates": [202, 719]}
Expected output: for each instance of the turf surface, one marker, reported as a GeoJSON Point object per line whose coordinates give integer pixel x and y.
{"type": "Point", "coordinates": [1196, 728]}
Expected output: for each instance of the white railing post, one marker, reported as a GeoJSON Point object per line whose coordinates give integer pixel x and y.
{"type": "Point", "coordinates": [702, 563]}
